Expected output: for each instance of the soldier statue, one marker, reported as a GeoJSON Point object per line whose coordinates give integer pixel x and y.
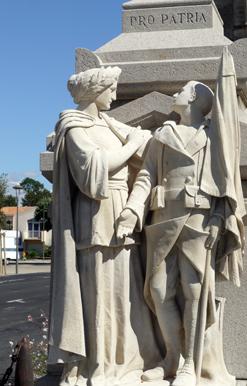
{"type": "Point", "coordinates": [191, 183]}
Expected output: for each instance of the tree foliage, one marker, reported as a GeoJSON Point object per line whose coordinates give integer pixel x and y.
{"type": "Point", "coordinates": [2, 220]}
{"type": "Point", "coordinates": [37, 195]}
{"type": "Point", "coordinates": [35, 192]}
{"type": "Point", "coordinates": [5, 199]}
{"type": "Point", "coordinates": [9, 200]}
{"type": "Point", "coordinates": [43, 213]}
{"type": "Point", "coordinates": [3, 188]}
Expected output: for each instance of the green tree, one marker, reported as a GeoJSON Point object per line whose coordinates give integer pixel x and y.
{"type": "Point", "coordinates": [2, 220]}
{"type": "Point", "coordinates": [9, 200]}
{"type": "Point", "coordinates": [5, 199]}
{"type": "Point", "coordinates": [43, 213]}
{"type": "Point", "coordinates": [3, 189]}
{"type": "Point", "coordinates": [37, 195]}
{"type": "Point", "coordinates": [35, 192]}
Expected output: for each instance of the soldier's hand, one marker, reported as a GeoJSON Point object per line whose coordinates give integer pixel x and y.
{"type": "Point", "coordinates": [214, 225]}
{"type": "Point", "coordinates": [126, 223]}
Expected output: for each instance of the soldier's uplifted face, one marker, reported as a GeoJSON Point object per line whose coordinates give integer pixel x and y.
{"type": "Point", "coordinates": [183, 98]}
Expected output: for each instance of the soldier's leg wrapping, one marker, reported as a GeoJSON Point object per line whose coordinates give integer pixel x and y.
{"type": "Point", "coordinates": [192, 290]}
{"type": "Point", "coordinates": [163, 287]}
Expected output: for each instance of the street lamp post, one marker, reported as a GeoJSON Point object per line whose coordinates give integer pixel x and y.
{"type": "Point", "coordinates": [43, 219]}
{"type": "Point", "coordinates": [17, 188]}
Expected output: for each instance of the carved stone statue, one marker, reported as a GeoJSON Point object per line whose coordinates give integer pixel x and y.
{"type": "Point", "coordinates": [190, 182]}
{"type": "Point", "coordinates": [101, 327]}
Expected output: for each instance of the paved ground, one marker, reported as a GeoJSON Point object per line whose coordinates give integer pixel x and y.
{"type": "Point", "coordinates": [29, 266]}
{"type": "Point", "coordinates": [20, 296]}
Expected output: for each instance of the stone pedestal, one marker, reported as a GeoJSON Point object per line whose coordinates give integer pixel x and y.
{"type": "Point", "coordinates": [235, 326]}
{"type": "Point", "coordinates": [163, 44]}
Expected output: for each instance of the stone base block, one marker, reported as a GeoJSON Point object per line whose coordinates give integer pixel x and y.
{"type": "Point", "coordinates": [53, 380]}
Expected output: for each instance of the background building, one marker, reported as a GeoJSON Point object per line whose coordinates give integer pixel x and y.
{"type": "Point", "coordinates": [32, 238]}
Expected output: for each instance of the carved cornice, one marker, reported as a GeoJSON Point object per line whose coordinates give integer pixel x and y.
{"type": "Point", "coordinates": [137, 4]}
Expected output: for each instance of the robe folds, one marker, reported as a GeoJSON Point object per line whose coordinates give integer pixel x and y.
{"type": "Point", "coordinates": [97, 307]}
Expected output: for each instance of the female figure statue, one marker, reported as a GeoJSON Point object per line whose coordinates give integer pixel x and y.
{"type": "Point", "coordinates": [100, 326]}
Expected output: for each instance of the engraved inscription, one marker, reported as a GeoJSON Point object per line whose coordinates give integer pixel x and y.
{"type": "Point", "coordinates": [142, 20]}
{"type": "Point", "coordinates": [168, 18]}
{"type": "Point", "coordinates": [176, 18]}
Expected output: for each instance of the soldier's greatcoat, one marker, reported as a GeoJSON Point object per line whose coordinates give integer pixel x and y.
{"type": "Point", "coordinates": [183, 175]}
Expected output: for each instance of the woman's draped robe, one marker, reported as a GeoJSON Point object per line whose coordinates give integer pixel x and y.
{"type": "Point", "coordinates": [97, 306]}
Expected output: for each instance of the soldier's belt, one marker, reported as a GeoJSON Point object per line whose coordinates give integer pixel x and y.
{"type": "Point", "coordinates": [192, 196]}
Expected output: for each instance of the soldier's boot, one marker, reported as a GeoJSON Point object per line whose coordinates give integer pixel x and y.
{"type": "Point", "coordinates": [186, 376]}
{"type": "Point", "coordinates": [82, 373]}
{"type": "Point", "coordinates": [171, 331]}
{"type": "Point", "coordinates": [69, 375]}
{"type": "Point", "coordinates": [170, 324]}
{"type": "Point", "coordinates": [155, 374]}
{"type": "Point", "coordinates": [81, 381]}
{"type": "Point", "coordinates": [165, 369]}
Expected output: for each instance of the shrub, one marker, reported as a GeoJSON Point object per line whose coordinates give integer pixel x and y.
{"type": "Point", "coordinates": [32, 254]}
{"type": "Point", "coordinates": [47, 251]}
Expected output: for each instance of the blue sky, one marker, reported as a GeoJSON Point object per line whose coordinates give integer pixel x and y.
{"type": "Point", "coordinates": [38, 40]}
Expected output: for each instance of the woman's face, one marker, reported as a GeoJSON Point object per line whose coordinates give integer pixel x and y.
{"type": "Point", "coordinates": [104, 100]}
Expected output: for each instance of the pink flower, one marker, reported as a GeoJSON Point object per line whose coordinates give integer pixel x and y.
{"type": "Point", "coordinates": [29, 318]}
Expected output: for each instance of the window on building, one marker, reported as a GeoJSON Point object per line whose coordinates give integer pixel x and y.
{"type": "Point", "coordinates": [34, 228]}
{"type": "Point", "coordinates": [9, 223]}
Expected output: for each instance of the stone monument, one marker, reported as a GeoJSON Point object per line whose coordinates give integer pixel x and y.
{"type": "Point", "coordinates": [164, 45]}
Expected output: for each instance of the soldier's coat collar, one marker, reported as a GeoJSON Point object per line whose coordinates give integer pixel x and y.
{"type": "Point", "coordinates": [168, 135]}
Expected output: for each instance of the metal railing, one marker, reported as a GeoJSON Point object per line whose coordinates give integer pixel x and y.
{"type": "Point", "coordinates": [32, 234]}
